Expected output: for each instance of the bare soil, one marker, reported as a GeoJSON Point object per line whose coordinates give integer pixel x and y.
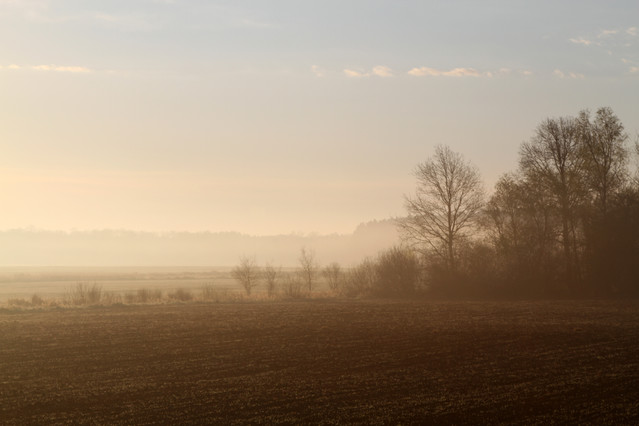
{"type": "Point", "coordinates": [323, 361]}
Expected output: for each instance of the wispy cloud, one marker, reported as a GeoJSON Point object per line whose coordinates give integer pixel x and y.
{"type": "Point", "coordinates": [318, 71]}
{"type": "Point", "coordinates": [377, 71]}
{"type": "Point", "coordinates": [633, 31]}
{"type": "Point", "coordinates": [355, 74]}
{"type": "Point", "coordinates": [501, 72]}
{"type": "Point", "coordinates": [73, 69]}
{"type": "Point", "coordinates": [382, 71]}
{"type": "Point", "coordinates": [56, 68]}
{"type": "Point", "coordinates": [573, 75]}
{"type": "Point", "coordinates": [580, 40]}
{"type": "Point", "coordinates": [607, 33]}
{"type": "Point", "coordinates": [634, 70]}
{"type": "Point", "coordinates": [455, 72]}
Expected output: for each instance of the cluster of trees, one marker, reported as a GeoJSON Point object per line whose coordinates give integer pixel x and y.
{"type": "Point", "coordinates": [393, 273]}
{"type": "Point", "coordinates": [565, 223]}
{"type": "Point", "coordinates": [250, 275]}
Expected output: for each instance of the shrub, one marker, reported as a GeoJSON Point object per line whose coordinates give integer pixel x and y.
{"type": "Point", "coordinates": [84, 294]}
{"type": "Point", "coordinates": [36, 300]}
{"type": "Point", "coordinates": [334, 276]}
{"type": "Point", "coordinates": [271, 275]}
{"type": "Point", "coordinates": [111, 298]}
{"type": "Point", "coordinates": [246, 273]}
{"type": "Point", "coordinates": [292, 286]}
{"type": "Point", "coordinates": [18, 302]}
{"type": "Point", "coordinates": [361, 279]}
{"type": "Point", "coordinates": [398, 273]}
{"type": "Point", "coordinates": [181, 295]}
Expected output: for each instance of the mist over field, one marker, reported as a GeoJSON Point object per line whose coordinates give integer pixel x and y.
{"type": "Point", "coordinates": [28, 247]}
{"type": "Point", "coordinates": [319, 212]}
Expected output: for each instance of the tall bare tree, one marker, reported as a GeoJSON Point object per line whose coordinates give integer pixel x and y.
{"type": "Point", "coordinates": [552, 160]}
{"type": "Point", "coordinates": [247, 273]}
{"type": "Point", "coordinates": [521, 221]}
{"type": "Point", "coordinates": [605, 154]}
{"type": "Point", "coordinates": [449, 197]}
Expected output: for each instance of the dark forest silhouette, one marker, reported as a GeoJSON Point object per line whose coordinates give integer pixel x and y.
{"type": "Point", "coordinates": [565, 223]}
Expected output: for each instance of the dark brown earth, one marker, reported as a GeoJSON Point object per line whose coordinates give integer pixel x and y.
{"type": "Point", "coordinates": [323, 362]}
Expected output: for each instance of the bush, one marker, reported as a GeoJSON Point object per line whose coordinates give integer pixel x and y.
{"type": "Point", "coordinates": [271, 275]}
{"type": "Point", "coordinates": [334, 276]}
{"type": "Point", "coordinates": [181, 295]}
{"type": "Point", "coordinates": [292, 286]}
{"type": "Point", "coordinates": [246, 274]}
{"type": "Point", "coordinates": [84, 294]}
{"type": "Point", "coordinates": [361, 279]}
{"type": "Point", "coordinates": [398, 273]}
{"type": "Point", "coordinates": [36, 300]}
{"type": "Point", "coordinates": [18, 302]}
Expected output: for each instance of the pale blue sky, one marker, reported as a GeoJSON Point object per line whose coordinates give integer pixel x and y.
{"type": "Point", "coordinates": [277, 116]}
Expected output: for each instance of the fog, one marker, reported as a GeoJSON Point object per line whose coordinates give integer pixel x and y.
{"type": "Point", "coordinates": [30, 247]}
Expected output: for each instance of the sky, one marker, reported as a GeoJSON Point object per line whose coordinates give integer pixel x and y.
{"type": "Point", "coordinates": [278, 117]}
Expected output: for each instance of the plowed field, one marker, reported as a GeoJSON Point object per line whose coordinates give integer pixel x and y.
{"type": "Point", "coordinates": [322, 362]}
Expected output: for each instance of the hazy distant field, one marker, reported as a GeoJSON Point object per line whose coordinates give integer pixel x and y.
{"type": "Point", "coordinates": [53, 282]}
{"type": "Point", "coordinates": [316, 361]}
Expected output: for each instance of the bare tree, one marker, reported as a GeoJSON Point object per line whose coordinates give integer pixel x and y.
{"type": "Point", "coordinates": [553, 161]}
{"type": "Point", "coordinates": [449, 196]}
{"type": "Point", "coordinates": [334, 276]}
{"type": "Point", "coordinates": [309, 268]}
{"type": "Point", "coordinates": [605, 154]}
{"type": "Point", "coordinates": [521, 221]}
{"type": "Point", "coordinates": [271, 275]}
{"type": "Point", "coordinates": [246, 273]}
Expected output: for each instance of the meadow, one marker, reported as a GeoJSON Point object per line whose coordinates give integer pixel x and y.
{"type": "Point", "coordinates": [324, 361]}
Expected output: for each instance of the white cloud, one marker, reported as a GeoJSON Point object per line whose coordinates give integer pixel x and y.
{"type": "Point", "coordinates": [382, 71]}
{"type": "Point", "coordinates": [318, 71]}
{"type": "Point", "coordinates": [560, 74]}
{"type": "Point", "coordinates": [526, 73]}
{"type": "Point", "coordinates": [634, 70]}
{"type": "Point", "coordinates": [633, 31]}
{"type": "Point", "coordinates": [455, 72]}
{"type": "Point", "coordinates": [71, 69]}
{"type": "Point", "coordinates": [581, 40]}
{"type": "Point", "coordinates": [378, 71]}
{"type": "Point", "coordinates": [606, 33]}
{"type": "Point", "coordinates": [355, 74]}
